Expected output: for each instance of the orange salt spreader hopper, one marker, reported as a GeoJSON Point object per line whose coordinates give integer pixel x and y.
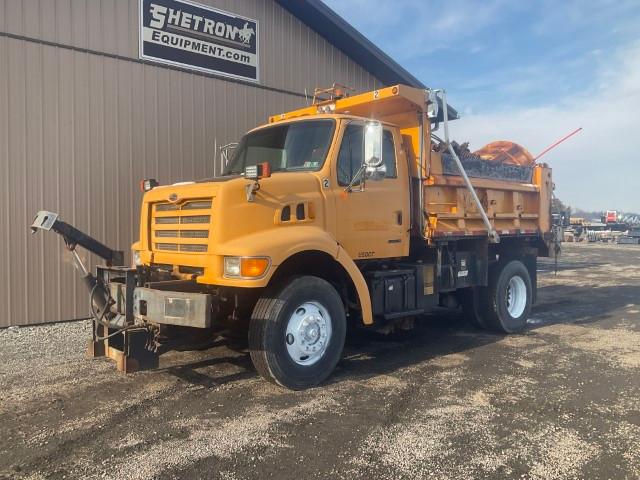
{"type": "Point", "coordinates": [506, 152]}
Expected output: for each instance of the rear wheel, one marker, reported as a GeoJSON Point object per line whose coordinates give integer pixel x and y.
{"type": "Point", "coordinates": [509, 297]}
{"type": "Point", "coordinates": [297, 332]}
{"type": "Point", "coordinates": [473, 301]}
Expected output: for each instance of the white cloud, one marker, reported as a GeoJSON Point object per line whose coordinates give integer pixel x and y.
{"type": "Point", "coordinates": [536, 98]}
{"type": "Point", "coordinates": [420, 27]}
{"type": "Point", "coordinates": [599, 168]}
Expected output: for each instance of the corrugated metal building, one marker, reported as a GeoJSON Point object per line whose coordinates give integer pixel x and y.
{"type": "Point", "coordinates": [84, 116]}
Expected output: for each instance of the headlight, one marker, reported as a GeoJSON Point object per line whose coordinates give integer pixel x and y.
{"type": "Point", "coordinates": [231, 266]}
{"type": "Point", "coordinates": [245, 267]}
{"type": "Point", "coordinates": [137, 261]}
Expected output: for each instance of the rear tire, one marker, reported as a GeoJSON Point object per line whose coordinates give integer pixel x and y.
{"type": "Point", "coordinates": [509, 297]}
{"type": "Point", "coordinates": [474, 306]}
{"type": "Point", "coordinates": [297, 333]}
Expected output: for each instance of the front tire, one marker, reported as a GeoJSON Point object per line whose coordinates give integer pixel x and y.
{"type": "Point", "coordinates": [509, 297]}
{"type": "Point", "coordinates": [297, 333]}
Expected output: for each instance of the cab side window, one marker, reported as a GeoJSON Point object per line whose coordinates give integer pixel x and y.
{"type": "Point", "coordinates": [350, 155]}
{"type": "Point", "coordinates": [389, 154]}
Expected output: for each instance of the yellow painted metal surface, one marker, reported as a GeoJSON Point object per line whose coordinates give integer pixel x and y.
{"type": "Point", "coordinates": [511, 207]}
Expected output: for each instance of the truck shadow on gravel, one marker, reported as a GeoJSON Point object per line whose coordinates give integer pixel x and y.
{"type": "Point", "coordinates": [447, 332]}
{"type": "Point", "coordinates": [549, 266]}
{"type": "Point", "coordinates": [366, 354]}
{"type": "Point", "coordinates": [189, 372]}
{"type": "Point", "coordinates": [580, 304]}
{"type": "Point", "coordinates": [440, 333]}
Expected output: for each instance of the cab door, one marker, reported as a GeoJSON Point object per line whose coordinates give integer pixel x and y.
{"type": "Point", "coordinates": [372, 217]}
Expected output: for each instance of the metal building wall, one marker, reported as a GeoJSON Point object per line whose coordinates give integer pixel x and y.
{"type": "Point", "coordinates": [82, 120]}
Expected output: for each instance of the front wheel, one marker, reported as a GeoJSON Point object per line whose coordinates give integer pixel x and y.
{"type": "Point", "coordinates": [509, 297]}
{"type": "Point", "coordinates": [297, 332]}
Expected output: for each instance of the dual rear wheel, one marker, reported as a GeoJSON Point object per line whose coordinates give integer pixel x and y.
{"type": "Point", "coordinates": [505, 304]}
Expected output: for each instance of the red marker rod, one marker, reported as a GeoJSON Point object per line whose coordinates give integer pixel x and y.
{"type": "Point", "coordinates": [550, 147]}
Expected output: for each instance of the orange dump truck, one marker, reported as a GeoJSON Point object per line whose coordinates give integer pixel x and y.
{"type": "Point", "coordinates": [349, 213]}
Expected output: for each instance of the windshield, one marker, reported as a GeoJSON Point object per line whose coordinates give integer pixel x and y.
{"type": "Point", "coordinates": [297, 146]}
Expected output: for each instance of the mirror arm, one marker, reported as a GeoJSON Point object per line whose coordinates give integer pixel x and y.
{"type": "Point", "coordinates": [349, 188]}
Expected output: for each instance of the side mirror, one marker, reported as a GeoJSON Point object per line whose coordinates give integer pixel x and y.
{"type": "Point", "coordinates": [373, 144]}
{"type": "Point", "coordinates": [433, 107]}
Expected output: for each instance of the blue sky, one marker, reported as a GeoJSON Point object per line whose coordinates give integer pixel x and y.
{"type": "Point", "coordinates": [529, 71]}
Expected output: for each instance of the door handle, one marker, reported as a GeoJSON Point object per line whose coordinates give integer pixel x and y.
{"type": "Point", "coordinates": [399, 217]}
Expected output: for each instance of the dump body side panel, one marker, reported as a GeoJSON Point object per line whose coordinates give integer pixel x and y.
{"type": "Point", "coordinates": [514, 208]}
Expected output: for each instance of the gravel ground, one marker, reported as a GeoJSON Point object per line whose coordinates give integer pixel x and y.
{"type": "Point", "coordinates": [560, 401]}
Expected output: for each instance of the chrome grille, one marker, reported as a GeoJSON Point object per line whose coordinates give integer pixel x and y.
{"type": "Point", "coordinates": [183, 220]}
{"type": "Point", "coordinates": [187, 247]}
{"type": "Point", "coordinates": [195, 219]}
{"type": "Point", "coordinates": [197, 205]}
{"type": "Point", "coordinates": [167, 233]}
{"type": "Point", "coordinates": [193, 247]}
{"type": "Point", "coordinates": [166, 207]}
{"type": "Point", "coordinates": [182, 223]}
{"type": "Point", "coordinates": [172, 247]}
{"type": "Point", "coordinates": [167, 220]}
{"type": "Point", "coordinates": [182, 233]}
{"type": "Point", "coordinates": [194, 234]}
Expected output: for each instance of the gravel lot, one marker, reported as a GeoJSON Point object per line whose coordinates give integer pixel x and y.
{"type": "Point", "coordinates": [560, 401]}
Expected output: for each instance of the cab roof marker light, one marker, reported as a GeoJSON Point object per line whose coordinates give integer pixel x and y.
{"type": "Point", "coordinates": [148, 184]}
{"type": "Point", "coordinates": [327, 108]}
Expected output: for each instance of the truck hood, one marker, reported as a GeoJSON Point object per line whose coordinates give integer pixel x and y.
{"type": "Point", "coordinates": [178, 192]}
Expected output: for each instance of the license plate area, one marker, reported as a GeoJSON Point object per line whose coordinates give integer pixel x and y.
{"type": "Point", "coordinates": [173, 308]}
{"type": "Point", "coordinates": [176, 308]}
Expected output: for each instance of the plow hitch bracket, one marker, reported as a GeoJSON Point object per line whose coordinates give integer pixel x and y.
{"type": "Point", "coordinates": [114, 334]}
{"type": "Point", "coordinates": [72, 236]}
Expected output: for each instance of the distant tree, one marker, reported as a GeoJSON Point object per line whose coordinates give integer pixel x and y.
{"type": "Point", "coordinates": [589, 214]}
{"type": "Point", "coordinates": [557, 206]}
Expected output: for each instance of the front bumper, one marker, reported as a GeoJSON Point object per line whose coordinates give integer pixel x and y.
{"type": "Point", "coordinates": [144, 299]}
{"type": "Point", "coordinates": [186, 309]}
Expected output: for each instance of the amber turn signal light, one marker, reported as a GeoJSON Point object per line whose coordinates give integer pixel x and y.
{"type": "Point", "coordinates": [253, 267]}
{"type": "Point", "coordinates": [245, 267]}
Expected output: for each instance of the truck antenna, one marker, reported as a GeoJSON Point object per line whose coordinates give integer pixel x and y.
{"type": "Point", "coordinates": [554, 145]}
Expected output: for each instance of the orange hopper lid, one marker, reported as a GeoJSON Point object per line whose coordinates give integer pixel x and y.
{"type": "Point", "coordinates": [506, 152]}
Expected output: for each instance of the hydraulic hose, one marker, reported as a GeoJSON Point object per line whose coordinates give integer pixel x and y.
{"type": "Point", "coordinates": [103, 302]}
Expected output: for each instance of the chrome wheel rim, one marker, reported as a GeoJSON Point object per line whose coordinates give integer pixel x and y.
{"type": "Point", "coordinates": [308, 333]}
{"type": "Point", "coordinates": [516, 296]}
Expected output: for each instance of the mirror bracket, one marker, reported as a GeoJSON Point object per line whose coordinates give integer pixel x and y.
{"type": "Point", "coordinates": [376, 174]}
{"type": "Point", "coordinates": [358, 174]}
